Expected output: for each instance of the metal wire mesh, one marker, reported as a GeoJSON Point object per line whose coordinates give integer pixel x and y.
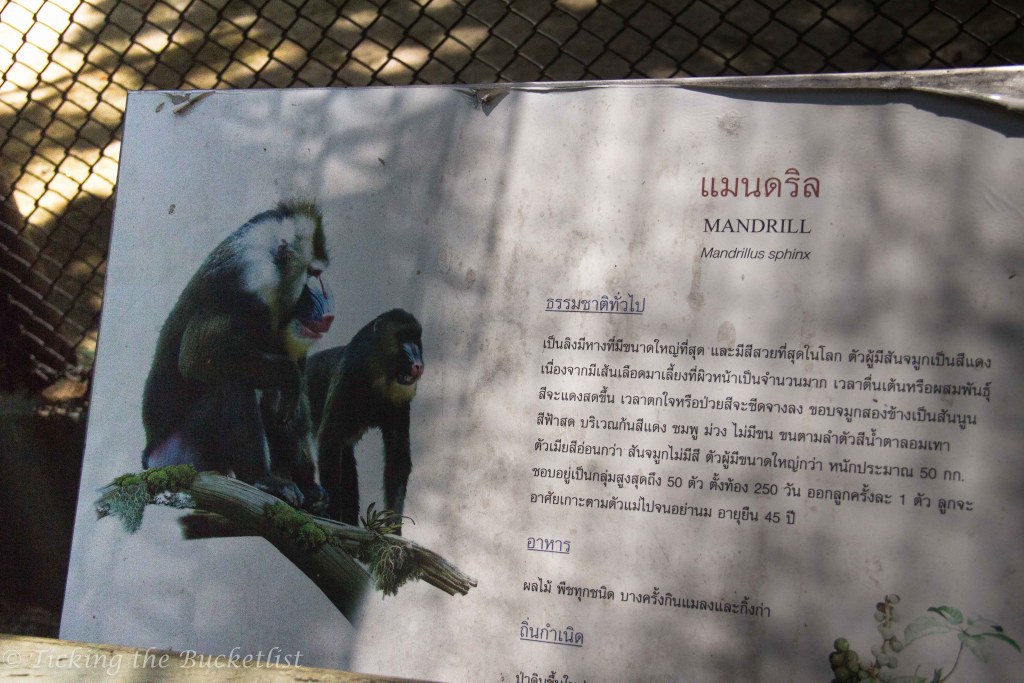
{"type": "Point", "coordinates": [67, 66]}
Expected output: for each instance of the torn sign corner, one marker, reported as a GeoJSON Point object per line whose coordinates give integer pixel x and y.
{"type": "Point", "coordinates": [182, 102]}
{"type": "Point", "coordinates": [485, 98]}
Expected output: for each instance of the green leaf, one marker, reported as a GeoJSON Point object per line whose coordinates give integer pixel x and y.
{"type": "Point", "coordinates": [950, 614]}
{"type": "Point", "coordinates": [937, 677]}
{"type": "Point", "coordinates": [976, 644]}
{"type": "Point", "coordinates": [1005, 638]}
{"type": "Point", "coordinates": [979, 620]}
{"type": "Point", "coordinates": [924, 626]}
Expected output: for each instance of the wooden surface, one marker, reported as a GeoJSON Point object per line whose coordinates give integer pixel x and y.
{"type": "Point", "coordinates": [28, 658]}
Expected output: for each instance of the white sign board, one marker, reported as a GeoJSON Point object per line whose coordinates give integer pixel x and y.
{"type": "Point", "coordinates": [712, 375]}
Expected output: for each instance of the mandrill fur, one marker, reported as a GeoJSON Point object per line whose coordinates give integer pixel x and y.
{"type": "Point", "coordinates": [224, 392]}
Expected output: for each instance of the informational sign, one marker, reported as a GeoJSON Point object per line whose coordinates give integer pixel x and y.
{"type": "Point", "coordinates": [716, 381]}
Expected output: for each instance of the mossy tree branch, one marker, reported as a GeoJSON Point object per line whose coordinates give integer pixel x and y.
{"type": "Point", "coordinates": [330, 553]}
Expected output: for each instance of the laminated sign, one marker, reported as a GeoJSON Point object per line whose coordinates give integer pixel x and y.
{"type": "Point", "coordinates": [708, 380]}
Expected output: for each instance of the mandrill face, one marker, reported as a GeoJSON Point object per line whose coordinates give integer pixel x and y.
{"type": "Point", "coordinates": [311, 318]}
{"type": "Point", "coordinates": [412, 367]}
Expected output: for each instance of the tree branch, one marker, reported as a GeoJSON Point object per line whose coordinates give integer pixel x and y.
{"type": "Point", "coordinates": [330, 553]}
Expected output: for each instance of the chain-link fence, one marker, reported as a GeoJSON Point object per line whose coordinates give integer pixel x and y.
{"type": "Point", "coordinates": [67, 66]}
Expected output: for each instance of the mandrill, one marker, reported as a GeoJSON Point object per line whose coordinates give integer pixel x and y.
{"type": "Point", "coordinates": [225, 389]}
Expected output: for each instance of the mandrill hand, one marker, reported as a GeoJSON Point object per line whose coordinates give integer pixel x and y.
{"type": "Point", "coordinates": [286, 490]}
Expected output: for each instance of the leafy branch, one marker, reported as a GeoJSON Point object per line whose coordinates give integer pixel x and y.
{"type": "Point", "coordinates": [975, 634]}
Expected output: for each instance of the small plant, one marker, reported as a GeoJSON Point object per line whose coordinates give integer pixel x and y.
{"type": "Point", "coordinates": [382, 521]}
{"type": "Point", "coordinates": [388, 560]}
{"type": "Point", "coordinates": [975, 634]}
